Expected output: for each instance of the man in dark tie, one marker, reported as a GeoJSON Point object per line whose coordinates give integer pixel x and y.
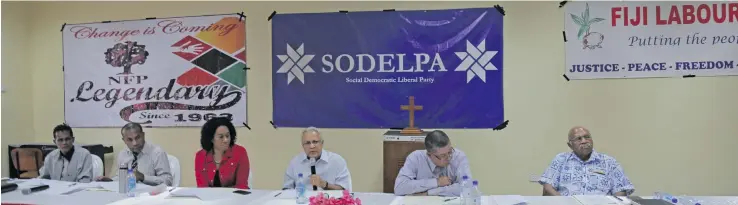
{"type": "Point", "coordinates": [149, 161]}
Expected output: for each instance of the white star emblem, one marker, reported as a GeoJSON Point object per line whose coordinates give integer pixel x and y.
{"type": "Point", "coordinates": [475, 61]}
{"type": "Point", "coordinates": [295, 63]}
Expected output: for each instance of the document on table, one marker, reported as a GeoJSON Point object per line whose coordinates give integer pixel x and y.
{"type": "Point", "coordinates": [55, 187]}
{"type": "Point", "coordinates": [596, 200]}
{"type": "Point", "coordinates": [426, 200]}
{"type": "Point", "coordinates": [291, 194]}
{"type": "Point", "coordinates": [509, 200]}
{"type": "Point", "coordinates": [205, 194]}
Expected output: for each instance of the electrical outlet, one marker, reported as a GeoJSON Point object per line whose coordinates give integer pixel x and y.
{"type": "Point", "coordinates": [534, 178]}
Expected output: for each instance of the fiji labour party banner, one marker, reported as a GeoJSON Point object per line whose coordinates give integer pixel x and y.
{"type": "Point", "coordinates": [639, 39]}
{"type": "Point", "coordinates": [158, 72]}
{"type": "Point", "coordinates": [358, 69]}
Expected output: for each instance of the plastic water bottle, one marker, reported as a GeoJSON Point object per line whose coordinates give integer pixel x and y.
{"type": "Point", "coordinates": [688, 200]}
{"type": "Point", "coordinates": [465, 190]}
{"type": "Point", "coordinates": [300, 189]}
{"type": "Point", "coordinates": [475, 196]}
{"type": "Point", "coordinates": [666, 197]}
{"type": "Point", "coordinates": [131, 183]}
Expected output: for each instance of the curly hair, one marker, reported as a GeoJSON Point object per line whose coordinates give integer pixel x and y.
{"type": "Point", "coordinates": [208, 132]}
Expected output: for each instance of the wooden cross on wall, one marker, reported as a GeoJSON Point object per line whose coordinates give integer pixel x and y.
{"type": "Point", "coordinates": [412, 108]}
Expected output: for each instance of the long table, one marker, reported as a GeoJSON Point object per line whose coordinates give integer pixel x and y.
{"type": "Point", "coordinates": [106, 193]}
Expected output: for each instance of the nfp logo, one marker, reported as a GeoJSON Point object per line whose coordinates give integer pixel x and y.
{"type": "Point", "coordinates": [476, 60]}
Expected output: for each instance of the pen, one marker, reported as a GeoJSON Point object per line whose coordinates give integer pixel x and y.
{"type": "Point", "coordinates": [277, 194]}
{"type": "Point", "coordinates": [618, 198]}
{"type": "Point", "coordinates": [449, 199]}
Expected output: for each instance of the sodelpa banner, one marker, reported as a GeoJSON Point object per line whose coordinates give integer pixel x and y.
{"type": "Point", "coordinates": [358, 69]}
{"type": "Point", "coordinates": [166, 72]}
{"type": "Point", "coordinates": [639, 39]}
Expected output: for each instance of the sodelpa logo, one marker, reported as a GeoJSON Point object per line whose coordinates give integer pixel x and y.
{"type": "Point", "coordinates": [475, 62]}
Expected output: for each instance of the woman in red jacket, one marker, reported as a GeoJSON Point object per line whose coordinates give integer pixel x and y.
{"type": "Point", "coordinates": [221, 162]}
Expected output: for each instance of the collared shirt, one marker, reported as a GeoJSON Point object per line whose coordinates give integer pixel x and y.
{"type": "Point", "coordinates": [152, 162]}
{"type": "Point", "coordinates": [331, 167]}
{"type": "Point", "coordinates": [233, 170]}
{"type": "Point", "coordinates": [57, 167]}
{"type": "Point", "coordinates": [419, 174]}
{"type": "Point", "coordinates": [599, 175]}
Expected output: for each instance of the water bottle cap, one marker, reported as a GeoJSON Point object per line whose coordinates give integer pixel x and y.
{"type": "Point", "coordinates": [299, 175]}
{"type": "Point", "coordinates": [675, 200]}
{"type": "Point", "coordinates": [465, 177]}
{"type": "Point", "coordinates": [475, 182]}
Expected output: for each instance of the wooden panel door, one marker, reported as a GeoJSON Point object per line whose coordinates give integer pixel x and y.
{"type": "Point", "coordinates": [395, 153]}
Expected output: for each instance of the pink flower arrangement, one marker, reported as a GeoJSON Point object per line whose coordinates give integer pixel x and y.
{"type": "Point", "coordinates": [346, 199]}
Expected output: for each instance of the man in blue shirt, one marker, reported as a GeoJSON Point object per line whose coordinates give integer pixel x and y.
{"type": "Point", "coordinates": [584, 171]}
{"type": "Point", "coordinates": [436, 171]}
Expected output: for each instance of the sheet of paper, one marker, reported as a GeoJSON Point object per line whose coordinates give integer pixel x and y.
{"type": "Point", "coordinates": [421, 200]}
{"type": "Point", "coordinates": [427, 200]}
{"type": "Point", "coordinates": [292, 194]}
{"type": "Point", "coordinates": [55, 187]}
{"type": "Point", "coordinates": [596, 200]}
{"type": "Point", "coordinates": [509, 200]}
{"type": "Point", "coordinates": [105, 186]}
{"type": "Point", "coordinates": [204, 194]}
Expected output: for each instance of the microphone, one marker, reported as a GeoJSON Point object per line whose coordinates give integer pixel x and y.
{"type": "Point", "coordinates": [312, 171]}
{"type": "Point", "coordinates": [28, 191]}
{"type": "Point", "coordinates": [9, 187]}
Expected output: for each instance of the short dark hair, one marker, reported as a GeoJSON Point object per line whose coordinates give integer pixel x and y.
{"type": "Point", "coordinates": [435, 140]}
{"type": "Point", "coordinates": [131, 126]}
{"type": "Point", "coordinates": [60, 128]}
{"type": "Point", "coordinates": [208, 132]}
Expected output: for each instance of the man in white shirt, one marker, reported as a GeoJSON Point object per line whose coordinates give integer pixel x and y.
{"type": "Point", "coordinates": [68, 162]}
{"type": "Point", "coordinates": [331, 170]}
{"type": "Point", "coordinates": [149, 161]}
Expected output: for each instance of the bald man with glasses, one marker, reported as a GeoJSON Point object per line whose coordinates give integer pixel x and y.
{"type": "Point", "coordinates": [331, 170]}
{"type": "Point", "coordinates": [435, 171]}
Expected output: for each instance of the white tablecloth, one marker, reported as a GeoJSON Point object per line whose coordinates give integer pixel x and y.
{"type": "Point", "coordinates": [54, 194]}
{"type": "Point", "coordinates": [225, 196]}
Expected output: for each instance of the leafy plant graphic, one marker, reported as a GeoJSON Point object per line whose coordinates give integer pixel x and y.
{"type": "Point", "coordinates": [591, 39]}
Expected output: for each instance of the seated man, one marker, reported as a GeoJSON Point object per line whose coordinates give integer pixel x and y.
{"type": "Point", "coordinates": [149, 161]}
{"type": "Point", "coordinates": [584, 171]}
{"type": "Point", "coordinates": [435, 171]}
{"type": "Point", "coordinates": [331, 170]}
{"type": "Point", "coordinates": [68, 162]}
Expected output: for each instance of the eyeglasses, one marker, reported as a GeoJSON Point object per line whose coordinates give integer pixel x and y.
{"type": "Point", "coordinates": [577, 139]}
{"type": "Point", "coordinates": [314, 142]}
{"type": "Point", "coordinates": [62, 140]}
{"type": "Point", "coordinates": [445, 156]}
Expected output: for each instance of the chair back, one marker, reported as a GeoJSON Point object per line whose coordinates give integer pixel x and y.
{"type": "Point", "coordinates": [175, 169]}
{"type": "Point", "coordinates": [27, 161]}
{"type": "Point", "coordinates": [251, 176]}
{"type": "Point", "coordinates": [97, 166]}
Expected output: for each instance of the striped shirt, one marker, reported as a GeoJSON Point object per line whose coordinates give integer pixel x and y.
{"type": "Point", "coordinates": [152, 162]}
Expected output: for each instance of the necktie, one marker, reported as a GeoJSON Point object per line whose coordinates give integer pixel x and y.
{"type": "Point", "coordinates": [134, 164]}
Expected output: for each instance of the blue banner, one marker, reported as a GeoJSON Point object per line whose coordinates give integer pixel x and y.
{"type": "Point", "coordinates": [356, 69]}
